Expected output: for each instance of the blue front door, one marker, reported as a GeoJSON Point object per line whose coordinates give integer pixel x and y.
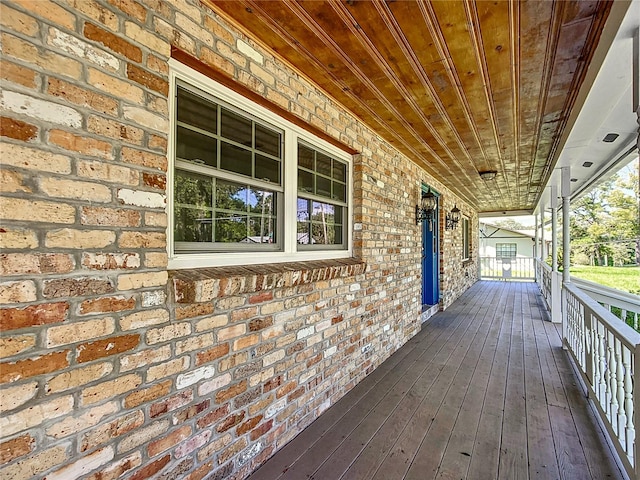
{"type": "Point", "coordinates": [430, 263]}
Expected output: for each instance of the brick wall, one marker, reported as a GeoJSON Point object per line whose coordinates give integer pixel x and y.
{"type": "Point", "coordinates": [114, 367]}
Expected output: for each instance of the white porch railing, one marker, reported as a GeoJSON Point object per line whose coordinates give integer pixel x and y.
{"type": "Point", "coordinates": [605, 349]}
{"type": "Point", "coordinates": [550, 283]}
{"type": "Point", "coordinates": [623, 305]}
{"type": "Point", "coordinates": [503, 268]}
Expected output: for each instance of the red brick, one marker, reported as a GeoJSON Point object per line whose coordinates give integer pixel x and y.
{"type": "Point", "coordinates": [337, 319]}
{"type": "Point", "coordinates": [104, 433]}
{"type": "Point", "coordinates": [43, 314]}
{"type": "Point", "coordinates": [191, 411]}
{"type": "Point", "coordinates": [12, 128]}
{"type": "Point", "coordinates": [22, 263]}
{"type": "Point", "coordinates": [171, 403]}
{"type": "Point", "coordinates": [80, 143]}
{"type": "Point", "coordinates": [144, 159]}
{"type": "Point", "coordinates": [212, 353]}
{"type": "Point", "coordinates": [30, 367]}
{"type": "Point", "coordinates": [107, 304]}
{"type": "Point", "coordinates": [155, 180]}
{"type": "Point", "coordinates": [87, 352]}
{"type": "Point", "coordinates": [230, 422]}
{"type": "Point", "coordinates": [157, 143]}
{"type": "Point", "coordinates": [201, 472]}
{"type": "Point", "coordinates": [76, 287]}
{"type": "Point", "coordinates": [169, 441]}
{"type": "Point", "coordinates": [147, 395]}
{"type": "Point", "coordinates": [273, 383]}
{"type": "Point", "coordinates": [113, 42]}
{"type": "Point", "coordinates": [261, 297]}
{"type": "Point", "coordinates": [233, 450]}
{"type": "Point", "coordinates": [296, 394]}
{"type": "Point", "coordinates": [151, 469]}
{"type": "Point", "coordinates": [131, 8]}
{"type": "Point", "coordinates": [18, 74]}
{"type": "Point", "coordinates": [16, 447]}
{"type": "Point", "coordinates": [248, 425]}
{"type": "Point", "coordinates": [193, 310]}
{"type": "Point", "coordinates": [285, 389]}
{"type": "Point", "coordinates": [147, 79]}
{"type": "Point", "coordinates": [81, 96]}
{"type": "Point", "coordinates": [243, 314]}
{"type": "Point", "coordinates": [224, 395]}
{"type": "Point", "coordinates": [313, 360]}
{"type": "Point", "coordinates": [110, 217]}
{"type": "Point", "coordinates": [260, 323]}
{"type": "Point", "coordinates": [213, 416]}
{"type": "Point", "coordinates": [261, 430]}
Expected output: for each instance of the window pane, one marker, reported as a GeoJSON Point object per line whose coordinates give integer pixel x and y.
{"type": "Point", "coordinates": [339, 171]}
{"type": "Point", "coordinates": [339, 191]}
{"type": "Point", "coordinates": [230, 228]}
{"type": "Point", "coordinates": [303, 210]}
{"type": "Point", "coordinates": [192, 225]}
{"type": "Point", "coordinates": [323, 164]}
{"type": "Point", "coordinates": [262, 201]}
{"type": "Point", "coordinates": [235, 159]}
{"type": "Point", "coordinates": [194, 146]}
{"type": "Point", "coordinates": [261, 230]}
{"type": "Point", "coordinates": [305, 181]}
{"type": "Point", "coordinates": [235, 127]}
{"type": "Point", "coordinates": [268, 141]}
{"type": "Point", "coordinates": [324, 234]}
{"type": "Point", "coordinates": [267, 169]}
{"type": "Point", "coordinates": [197, 111]}
{"type": "Point", "coordinates": [305, 157]}
{"type": "Point", "coordinates": [232, 196]}
{"type": "Point", "coordinates": [323, 186]}
{"type": "Point", "coordinates": [323, 212]}
{"type": "Point", "coordinates": [193, 189]}
{"type": "Point", "coordinates": [319, 223]}
{"type": "Point", "coordinates": [303, 233]}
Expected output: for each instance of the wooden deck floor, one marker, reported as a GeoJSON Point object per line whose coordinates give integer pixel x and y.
{"type": "Point", "coordinates": [484, 392]}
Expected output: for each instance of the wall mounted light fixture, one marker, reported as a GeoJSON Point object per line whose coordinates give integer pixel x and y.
{"type": "Point", "coordinates": [452, 218]}
{"type": "Point", "coordinates": [427, 207]}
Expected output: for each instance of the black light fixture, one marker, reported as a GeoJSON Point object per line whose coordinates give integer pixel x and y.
{"type": "Point", "coordinates": [488, 174]}
{"type": "Point", "coordinates": [452, 218]}
{"type": "Point", "coordinates": [427, 208]}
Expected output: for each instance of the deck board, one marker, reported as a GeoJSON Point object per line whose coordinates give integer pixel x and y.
{"type": "Point", "coordinates": [483, 391]}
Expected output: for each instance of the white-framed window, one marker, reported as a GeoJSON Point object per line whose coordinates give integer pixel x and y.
{"type": "Point", "coordinates": [247, 186]}
{"type": "Point", "coordinates": [466, 238]}
{"type": "Point", "coordinates": [506, 250]}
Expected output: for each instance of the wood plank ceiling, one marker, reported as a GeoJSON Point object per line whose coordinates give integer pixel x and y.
{"type": "Point", "coordinates": [459, 86]}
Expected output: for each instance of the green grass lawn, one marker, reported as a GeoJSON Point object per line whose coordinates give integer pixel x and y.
{"type": "Point", "coordinates": [621, 278]}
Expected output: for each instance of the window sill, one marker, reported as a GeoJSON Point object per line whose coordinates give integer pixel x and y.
{"type": "Point", "coordinates": [198, 285]}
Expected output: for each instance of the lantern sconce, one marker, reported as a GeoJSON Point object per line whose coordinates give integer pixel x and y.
{"type": "Point", "coordinates": [452, 218]}
{"type": "Point", "coordinates": [427, 208]}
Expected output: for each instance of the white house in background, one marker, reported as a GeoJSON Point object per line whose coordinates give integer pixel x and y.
{"type": "Point", "coordinates": [505, 243]}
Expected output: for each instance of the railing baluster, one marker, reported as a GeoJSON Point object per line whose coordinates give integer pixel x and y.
{"type": "Point", "coordinates": [622, 416]}
{"type": "Point", "coordinates": [630, 432]}
{"type": "Point", "coordinates": [602, 386]}
{"type": "Point", "coordinates": [613, 381]}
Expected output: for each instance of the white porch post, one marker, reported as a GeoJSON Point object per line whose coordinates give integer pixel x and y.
{"type": "Point", "coordinates": [556, 311]}
{"type": "Point", "coordinates": [566, 250]}
{"type": "Point", "coordinates": [565, 191]}
{"type": "Point", "coordinates": [543, 250]}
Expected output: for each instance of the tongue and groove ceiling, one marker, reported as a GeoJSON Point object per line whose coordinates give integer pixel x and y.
{"type": "Point", "coordinates": [460, 87]}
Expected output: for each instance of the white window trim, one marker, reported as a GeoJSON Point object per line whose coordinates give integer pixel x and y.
{"type": "Point", "coordinates": [466, 242]}
{"type": "Point", "coordinates": [293, 134]}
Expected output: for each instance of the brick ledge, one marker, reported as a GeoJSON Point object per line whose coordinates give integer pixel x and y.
{"type": "Point", "coordinates": [198, 285]}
